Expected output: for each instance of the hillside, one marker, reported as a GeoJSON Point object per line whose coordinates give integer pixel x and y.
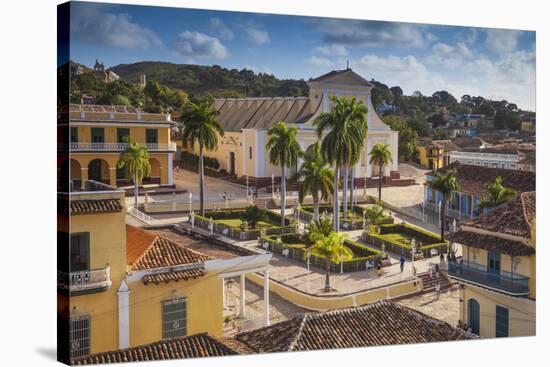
{"type": "Point", "coordinates": [213, 80]}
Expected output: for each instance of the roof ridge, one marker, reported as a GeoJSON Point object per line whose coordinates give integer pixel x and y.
{"type": "Point", "coordinates": [293, 342]}
{"type": "Point", "coordinates": [145, 251]}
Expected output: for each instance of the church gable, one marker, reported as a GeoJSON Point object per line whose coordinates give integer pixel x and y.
{"type": "Point", "coordinates": [347, 76]}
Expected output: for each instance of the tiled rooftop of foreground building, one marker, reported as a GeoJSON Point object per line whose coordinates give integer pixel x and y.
{"type": "Point", "coordinates": [194, 346]}
{"type": "Point", "coordinates": [381, 323]}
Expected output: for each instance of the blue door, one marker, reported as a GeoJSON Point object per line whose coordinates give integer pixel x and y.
{"type": "Point", "coordinates": [473, 311]}
{"type": "Point", "coordinates": [493, 262]}
{"type": "Point", "coordinates": [501, 322]}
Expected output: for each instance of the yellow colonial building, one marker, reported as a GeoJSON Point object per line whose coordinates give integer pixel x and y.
{"type": "Point", "coordinates": [242, 152]}
{"type": "Point", "coordinates": [121, 286]}
{"type": "Point", "coordinates": [497, 274]}
{"type": "Point", "coordinates": [98, 134]}
{"type": "Point", "coordinates": [434, 154]}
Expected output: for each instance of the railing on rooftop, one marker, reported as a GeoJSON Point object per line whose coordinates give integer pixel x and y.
{"type": "Point", "coordinates": [85, 280]}
{"type": "Point", "coordinates": [513, 284]}
{"type": "Point", "coordinates": [98, 147]}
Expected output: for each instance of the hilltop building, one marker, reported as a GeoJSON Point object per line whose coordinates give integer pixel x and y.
{"type": "Point", "coordinates": [105, 75]}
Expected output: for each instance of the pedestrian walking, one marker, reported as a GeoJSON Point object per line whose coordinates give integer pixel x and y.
{"type": "Point", "coordinates": [441, 258]}
{"type": "Point", "coordinates": [430, 271]}
{"type": "Point", "coordinates": [402, 262]}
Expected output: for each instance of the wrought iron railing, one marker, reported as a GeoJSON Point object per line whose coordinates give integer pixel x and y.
{"type": "Point", "coordinates": [84, 280]}
{"type": "Point", "coordinates": [98, 147]}
{"type": "Point", "coordinates": [511, 283]}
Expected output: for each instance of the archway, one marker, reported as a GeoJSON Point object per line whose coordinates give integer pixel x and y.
{"type": "Point", "coordinates": [98, 170]}
{"type": "Point", "coordinates": [473, 315]}
{"type": "Point", "coordinates": [76, 171]}
{"type": "Point", "coordinates": [232, 161]}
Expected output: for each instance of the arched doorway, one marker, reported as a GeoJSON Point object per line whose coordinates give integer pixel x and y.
{"type": "Point", "coordinates": [76, 171]}
{"type": "Point", "coordinates": [98, 170]}
{"type": "Point", "coordinates": [473, 315]}
{"type": "Point", "coordinates": [156, 172]}
{"type": "Point", "coordinates": [232, 161]}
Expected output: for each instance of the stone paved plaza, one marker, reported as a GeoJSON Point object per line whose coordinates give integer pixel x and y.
{"type": "Point", "coordinates": [446, 307]}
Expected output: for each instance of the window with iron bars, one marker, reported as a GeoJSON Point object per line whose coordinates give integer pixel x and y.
{"type": "Point", "coordinates": [79, 336]}
{"type": "Point", "coordinates": [174, 318]}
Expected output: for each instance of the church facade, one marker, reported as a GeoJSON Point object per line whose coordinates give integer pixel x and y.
{"type": "Point", "coordinates": [246, 121]}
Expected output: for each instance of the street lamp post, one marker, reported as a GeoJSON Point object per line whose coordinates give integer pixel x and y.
{"type": "Point", "coordinates": [192, 219]}
{"type": "Point", "coordinates": [413, 250]}
{"type": "Point", "coordinates": [247, 193]}
{"type": "Point", "coordinates": [272, 186]}
{"type": "Point", "coordinates": [190, 201]}
{"type": "Point", "coordinates": [308, 271]}
{"type": "Point", "coordinates": [341, 264]}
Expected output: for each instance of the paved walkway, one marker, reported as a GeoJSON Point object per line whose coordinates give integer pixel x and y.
{"type": "Point", "coordinates": [446, 307]}
{"type": "Point", "coordinates": [279, 309]}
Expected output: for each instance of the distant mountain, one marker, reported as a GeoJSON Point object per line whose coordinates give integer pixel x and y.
{"type": "Point", "coordinates": [214, 80]}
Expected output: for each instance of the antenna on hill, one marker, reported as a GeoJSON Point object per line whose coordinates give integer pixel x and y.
{"type": "Point", "coordinates": [347, 64]}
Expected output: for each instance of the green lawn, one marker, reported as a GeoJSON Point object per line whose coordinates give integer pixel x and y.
{"type": "Point", "coordinates": [236, 223]}
{"type": "Point", "coordinates": [400, 238]}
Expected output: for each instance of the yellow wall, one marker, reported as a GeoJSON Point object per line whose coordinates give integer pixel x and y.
{"type": "Point", "coordinates": [137, 133]}
{"type": "Point", "coordinates": [521, 317]}
{"type": "Point", "coordinates": [107, 246]}
{"type": "Point", "coordinates": [204, 307]}
{"type": "Point", "coordinates": [424, 159]}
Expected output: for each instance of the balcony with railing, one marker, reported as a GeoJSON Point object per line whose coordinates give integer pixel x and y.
{"type": "Point", "coordinates": [119, 147]}
{"type": "Point", "coordinates": [509, 283]}
{"type": "Point", "coordinates": [85, 281]}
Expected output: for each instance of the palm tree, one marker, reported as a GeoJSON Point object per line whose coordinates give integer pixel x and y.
{"type": "Point", "coordinates": [317, 178]}
{"type": "Point", "coordinates": [283, 150]}
{"type": "Point", "coordinates": [341, 146]}
{"type": "Point", "coordinates": [200, 126]}
{"type": "Point", "coordinates": [380, 155]}
{"type": "Point", "coordinates": [135, 158]}
{"type": "Point", "coordinates": [253, 215]}
{"type": "Point", "coordinates": [374, 215]}
{"type": "Point", "coordinates": [446, 184]}
{"type": "Point", "coordinates": [319, 228]}
{"type": "Point", "coordinates": [332, 249]}
{"type": "Point", "coordinates": [497, 194]}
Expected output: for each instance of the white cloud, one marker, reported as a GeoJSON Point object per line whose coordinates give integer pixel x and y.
{"type": "Point", "coordinates": [501, 40]}
{"type": "Point", "coordinates": [332, 50]}
{"type": "Point", "coordinates": [96, 25]}
{"type": "Point", "coordinates": [200, 45]}
{"type": "Point", "coordinates": [257, 34]}
{"type": "Point", "coordinates": [318, 61]}
{"type": "Point", "coordinates": [221, 30]}
{"type": "Point", "coordinates": [369, 33]}
{"type": "Point", "coordinates": [449, 56]}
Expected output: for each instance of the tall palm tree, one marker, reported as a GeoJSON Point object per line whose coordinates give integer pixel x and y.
{"type": "Point", "coordinates": [445, 184]}
{"type": "Point", "coordinates": [283, 150]}
{"type": "Point", "coordinates": [332, 249]}
{"type": "Point", "coordinates": [497, 194]}
{"type": "Point", "coordinates": [374, 215]}
{"type": "Point", "coordinates": [341, 146]}
{"type": "Point", "coordinates": [380, 155]}
{"type": "Point", "coordinates": [135, 158]}
{"type": "Point", "coordinates": [317, 178]}
{"type": "Point", "coordinates": [200, 126]}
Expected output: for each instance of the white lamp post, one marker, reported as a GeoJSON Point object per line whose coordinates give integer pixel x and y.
{"type": "Point", "coordinates": [308, 271]}
{"type": "Point", "coordinates": [190, 201]}
{"type": "Point", "coordinates": [272, 186]}
{"type": "Point", "coordinates": [247, 192]}
{"type": "Point", "coordinates": [341, 264]}
{"type": "Point", "coordinates": [192, 219]}
{"type": "Point", "coordinates": [413, 250]}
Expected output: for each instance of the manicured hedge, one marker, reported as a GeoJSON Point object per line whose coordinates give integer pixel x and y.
{"type": "Point", "coordinates": [306, 212]}
{"type": "Point", "coordinates": [297, 246]}
{"type": "Point", "coordinates": [425, 241]}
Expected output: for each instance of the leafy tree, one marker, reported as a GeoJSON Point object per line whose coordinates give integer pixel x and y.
{"type": "Point", "coordinates": [374, 215]}
{"type": "Point", "coordinates": [408, 138]}
{"type": "Point", "coordinates": [440, 134]}
{"type": "Point", "coordinates": [341, 146]}
{"type": "Point", "coordinates": [283, 151]}
{"type": "Point", "coordinates": [445, 184]}
{"type": "Point", "coordinates": [319, 228]}
{"type": "Point", "coordinates": [380, 155]}
{"type": "Point", "coordinates": [135, 160]}
{"type": "Point", "coordinates": [317, 178]}
{"type": "Point", "coordinates": [253, 215]}
{"type": "Point", "coordinates": [200, 126]}
{"type": "Point", "coordinates": [332, 249]}
{"type": "Point", "coordinates": [497, 194]}
{"type": "Point", "coordinates": [120, 100]}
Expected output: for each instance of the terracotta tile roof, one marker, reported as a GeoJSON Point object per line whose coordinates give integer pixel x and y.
{"type": "Point", "coordinates": [489, 243]}
{"type": "Point", "coordinates": [174, 275]}
{"type": "Point", "coordinates": [530, 158]}
{"type": "Point", "coordinates": [474, 179]}
{"type": "Point", "coordinates": [468, 142]}
{"type": "Point", "coordinates": [381, 323]}
{"type": "Point", "coordinates": [144, 250]}
{"type": "Point", "coordinates": [513, 218]}
{"type": "Point", "coordinates": [194, 346]}
{"type": "Point", "coordinates": [446, 145]}
{"type": "Point", "coordinates": [95, 206]}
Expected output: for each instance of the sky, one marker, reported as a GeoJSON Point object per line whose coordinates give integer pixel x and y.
{"type": "Point", "coordinates": [494, 63]}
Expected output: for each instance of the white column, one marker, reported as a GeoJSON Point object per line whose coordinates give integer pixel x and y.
{"type": "Point", "coordinates": [395, 148]}
{"type": "Point", "coordinates": [369, 168]}
{"type": "Point", "coordinates": [123, 315]}
{"type": "Point", "coordinates": [242, 312]}
{"type": "Point", "coordinates": [224, 295]}
{"type": "Point", "coordinates": [266, 298]}
{"type": "Point", "coordinates": [170, 168]}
